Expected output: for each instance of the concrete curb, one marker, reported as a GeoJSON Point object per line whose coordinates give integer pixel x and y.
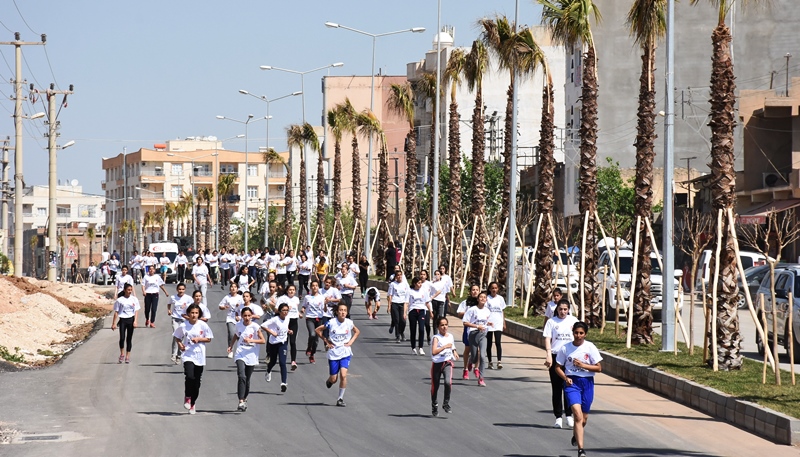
{"type": "Point", "coordinates": [764, 422]}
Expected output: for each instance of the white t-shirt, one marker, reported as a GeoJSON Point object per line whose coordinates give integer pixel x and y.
{"type": "Point", "coordinates": [181, 260]}
{"type": "Point", "coordinates": [347, 281]}
{"type": "Point", "coordinates": [559, 331]}
{"type": "Point", "coordinates": [248, 352]}
{"type": "Point", "coordinates": [243, 282]}
{"type": "Point", "coordinates": [201, 273]}
{"type": "Point", "coordinates": [294, 306]}
{"type": "Point", "coordinates": [257, 310]}
{"type": "Point", "coordinates": [195, 352]}
{"type": "Point", "coordinates": [281, 326]}
{"type": "Point", "coordinates": [122, 280]}
{"type": "Point", "coordinates": [439, 286]}
{"type": "Point", "coordinates": [164, 261]}
{"type": "Point", "coordinates": [376, 292]}
{"type": "Point", "coordinates": [126, 307]}
{"type": "Point", "coordinates": [231, 303]}
{"type": "Point", "coordinates": [550, 309]}
{"type": "Point", "coordinates": [136, 262]}
{"type": "Point", "coordinates": [339, 333]}
{"type": "Point", "coordinates": [305, 268]}
{"type": "Point", "coordinates": [205, 313]}
{"type": "Point", "coordinates": [212, 260]}
{"type": "Point", "coordinates": [290, 263]}
{"type": "Point", "coordinates": [224, 261]}
{"type": "Point", "coordinates": [477, 316]}
{"type": "Point", "coordinates": [179, 305]}
{"type": "Point", "coordinates": [354, 270]}
{"type": "Point", "coordinates": [314, 305]}
{"type": "Point", "coordinates": [586, 353]}
{"type": "Point", "coordinates": [398, 292]}
{"type": "Point", "coordinates": [463, 307]}
{"type": "Point", "coordinates": [449, 281]}
{"type": "Point", "coordinates": [150, 260]}
{"type": "Point", "coordinates": [446, 354]}
{"type": "Point", "coordinates": [496, 305]}
{"type": "Point", "coordinates": [151, 283]}
{"type": "Point", "coordinates": [417, 299]}
{"type": "Point", "coordinates": [334, 294]}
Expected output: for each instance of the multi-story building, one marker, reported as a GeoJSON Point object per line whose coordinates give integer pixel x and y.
{"type": "Point", "coordinates": [73, 206]}
{"type": "Point", "coordinates": [146, 180]}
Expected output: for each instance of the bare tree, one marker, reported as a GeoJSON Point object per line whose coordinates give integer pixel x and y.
{"type": "Point", "coordinates": [693, 234]}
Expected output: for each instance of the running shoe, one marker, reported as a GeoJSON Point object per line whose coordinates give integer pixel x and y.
{"type": "Point", "coordinates": [558, 423]}
{"type": "Point", "coordinates": [328, 383]}
{"type": "Point", "coordinates": [311, 359]}
{"type": "Point", "coordinates": [491, 366]}
{"type": "Point", "coordinates": [369, 316]}
{"type": "Point", "coordinates": [402, 337]}
{"type": "Point", "coordinates": [147, 323]}
{"type": "Point", "coordinates": [446, 407]}
{"type": "Point", "coordinates": [187, 403]}
{"type": "Point", "coordinates": [435, 411]}
{"type": "Point", "coordinates": [375, 315]}
{"type": "Point", "coordinates": [152, 325]}
{"type": "Point", "coordinates": [466, 374]}
{"type": "Point", "coordinates": [244, 408]}
{"type": "Point", "coordinates": [240, 407]}
{"type": "Point", "coordinates": [581, 453]}
{"type": "Point", "coordinates": [499, 365]}
{"type": "Point", "coordinates": [391, 330]}
{"type": "Point", "coordinates": [192, 410]}
{"type": "Point", "coordinates": [128, 359]}
{"type": "Point", "coordinates": [121, 359]}
{"type": "Point", "coordinates": [177, 360]}
{"type": "Point", "coordinates": [481, 383]}
{"type": "Point", "coordinates": [570, 421]}
{"type": "Point", "coordinates": [573, 441]}
{"type": "Point", "coordinates": [230, 355]}
{"type": "Point", "coordinates": [397, 340]}
{"type": "Point", "coordinates": [414, 351]}
{"type": "Point", "coordinates": [283, 387]}
{"type": "Point", "coordinates": [268, 376]}
{"type": "Point", "coordinates": [340, 402]}
{"type": "Point", "coordinates": [308, 353]}
{"type": "Point", "coordinates": [294, 366]}
{"type": "Point", "coordinates": [477, 373]}
{"type": "Point", "coordinates": [421, 352]}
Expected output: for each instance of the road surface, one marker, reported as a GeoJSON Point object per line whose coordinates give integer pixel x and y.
{"type": "Point", "coordinates": [88, 405]}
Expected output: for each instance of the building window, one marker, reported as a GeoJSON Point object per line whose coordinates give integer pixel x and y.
{"type": "Point", "coordinates": [252, 191]}
{"type": "Point", "coordinates": [177, 169]}
{"type": "Point", "coordinates": [63, 210]}
{"type": "Point", "coordinates": [42, 212]}
{"type": "Point", "coordinates": [227, 169]}
{"type": "Point", "coordinates": [252, 170]}
{"type": "Point", "coordinates": [252, 214]}
{"type": "Point", "coordinates": [177, 191]}
{"type": "Point", "coordinates": [202, 169]}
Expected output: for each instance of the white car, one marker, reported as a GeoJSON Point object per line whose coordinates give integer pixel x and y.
{"type": "Point", "coordinates": [609, 282]}
{"type": "Point", "coordinates": [787, 280]}
{"type": "Point", "coordinates": [749, 259]}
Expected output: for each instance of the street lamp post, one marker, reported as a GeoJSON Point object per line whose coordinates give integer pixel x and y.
{"type": "Point", "coordinates": [371, 106]}
{"type": "Point", "coordinates": [246, 167]}
{"type": "Point", "coordinates": [52, 207]}
{"type": "Point", "coordinates": [191, 183]}
{"type": "Point", "coordinates": [264, 99]}
{"type": "Point", "coordinates": [302, 92]}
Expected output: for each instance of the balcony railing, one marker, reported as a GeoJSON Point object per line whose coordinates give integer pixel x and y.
{"type": "Point", "coordinates": [234, 173]}
{"type": "Point", "coordinates": [277, 174]}
{"type": "Point", "coordinates": [152, 172]}
{"type": "Point", "coordinates": [203, 173]}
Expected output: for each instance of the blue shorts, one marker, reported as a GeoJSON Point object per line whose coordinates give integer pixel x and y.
{"type": "Point", "coordinates": [465, 337]}
{"type": "Point", "coordinates": [164, 269]}
{"type": "Point", "coordinates": [335, 365]}
{"type": "Point", "coordinates": [580, 392]}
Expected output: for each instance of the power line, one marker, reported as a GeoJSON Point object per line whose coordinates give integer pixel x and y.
{"type": "Point", "coordinates": [23, 18]}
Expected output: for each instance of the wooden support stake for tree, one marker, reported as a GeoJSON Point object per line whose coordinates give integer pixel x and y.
{"type": "Point", "coordinates": [469, 255]}
{"type": "Point", "coordinates": [706, 321]}
{"type": "Point", "coordinates": [374, 242]}
{"type": "Point", "coordinates": [715, 363]}
{"type": "Point", "coordinates": [629, 312]}
{"type": "Point", "coordinates": [405, 240]}
{"type": "Point", "coordinates": [330, 245]}
{"type": "Point", "coordinates": [428, 252]}
{"type": "Point", "coordinates": [572, 300]}
{"type": "Point", "coordinates": [748, 299]}
{"type": "Point", "coordinates": [352, 237]}
{"type": "Point", "coordinates": [297, 243]}
{"type": "Point", "coordinates": [583, 265]}
{"type": "Point", "coordinates": [452, 233]}
{"type": "Point", "coordinates": [603, 304]}
{"type": "Point", "coordinates": [463, 236]}
{"type": "Point", "coordinates": [791, 337]}
{"type": "Point", "coordinates": [763, 326]}
{"type": "Point", "coordinates": [533, 265]}
{"type": "Point", "coordinates": [514, 263]}
{"type": "Point", "coordinates": [314, 238]}
{"type": "Point", "coordinates": [497, 251]}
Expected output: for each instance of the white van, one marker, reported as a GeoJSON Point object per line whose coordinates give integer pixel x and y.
{"type": "Point", "coordinates": [172, 252]}
{"type": "Point", "coordinates": [749, 259]}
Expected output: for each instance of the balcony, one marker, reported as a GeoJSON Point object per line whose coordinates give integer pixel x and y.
{"type": "Point", "coordinates": [154, 172]}
{"type": "Point", "coordinates": [202, 173]}
{"type": "Point", "coordinates": [277, 174]}
{"type": "Point", "coordinates": [233, 173]}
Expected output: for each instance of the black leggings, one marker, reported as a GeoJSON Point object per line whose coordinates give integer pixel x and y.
{"type": "Point", "coordinates": [125, 325]}
{"type": "Point", "coordinates": [277, 354]}
{"type": "Point", "coordinates": [150, 306]}
{"type": "Point", "coordinates": [362, 281]}
{"type": "Point", "coordinates": [181, 274]}
{"type": "Point", "coordinates": [226, 277]}
{"type": "Point", "coordinates": [244, 371]}
{"type": "Point", "coordinates": [302, 281]}
{"type": "Point", "coordinates": [290, 278]}
{"type": "Point", "coordinates": [293, 338]}
{"type": "Point", "coordinates": [497, 336]}
{"type": "Point", "coordinates": [416, 321]}
{"type": "Point", "coordinates": [347, 299]}
{"type": "Point", "coordinates": [559, 397]}
{"type": "Point", "coordinates": [311, 324]}
{"type": "Point", "coordinates": [281, 279]}
{"type": "Point", "coordinates": [191, 384]}
{"type": "Point", "coordinates": [437, 370]}
{"type": "Point", "coordinates": [398, 321]}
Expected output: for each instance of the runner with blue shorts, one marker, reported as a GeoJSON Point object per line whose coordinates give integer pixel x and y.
{"type": "Point", "coordinates": [338, 334]}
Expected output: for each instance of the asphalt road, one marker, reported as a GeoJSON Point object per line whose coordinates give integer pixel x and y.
{"type": "Point", "coordinates": [88, 405]}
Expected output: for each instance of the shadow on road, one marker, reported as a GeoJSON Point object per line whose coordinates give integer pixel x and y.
{"type": "Point", "coordinates": [307, 404]}
{"type": "Point", "coordinates": [510, 424]}
{"type": "Point", "coordinates": [428, 416]}
{"type": "Point", "coordinates": [649, 452]}
{"type": "Point", "coordinates": [596, 412]}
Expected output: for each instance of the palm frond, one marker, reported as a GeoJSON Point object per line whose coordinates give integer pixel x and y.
{"type": "Point", "coordinates": [310, 137]}
{"type": "Point", "coordinates": [569, 21]}
{"type": "Point", "coordinates": [401, 101]}
{"type": "Point", "coordinates": [647, 21]}
{"type": "Point", "coordinates": [476, 65]}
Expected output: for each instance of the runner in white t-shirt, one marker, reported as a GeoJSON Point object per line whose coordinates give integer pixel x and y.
{"type": "Point", "coordinates": [126, 311]}
{"type": "Point", "coordinates": [338, 335]}
{"type": "Point", "coordinates": [471, 301]}
{"type": "Point", "coordinates": [313, 309]}
{"type": "Point", "coordinates": [151, 284]}
{"type": "Point", "coordinates": [290, 299]}
{"type": "Point", "coordinates": [372, 295]}
{"type": "Point", "coordinates": [192, 336]}
{"type": "Point", "coordinates": [201, 278]}
{"type": "Point", "coordinates": [176, 308]}
{"type": "Point", "coordinates": [230, 303]}
{"type": "Point", "coordinates": [247, 338]}
{"type": "Point", "coordinates": [496, 304]}
{"type": "Point", "coordinates": [443, 357]}
{"type": "Point", "coordinates": [279, 331]}
{"type": "Point", "coordinates": [557, 333]}
{"type": "Point", "coordinates": [121, 279]}
{"type": "Point", "coordinates": [477, 320]}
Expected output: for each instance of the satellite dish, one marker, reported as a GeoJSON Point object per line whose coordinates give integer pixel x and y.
{"type": "Point", "coordinates": [74, 183]}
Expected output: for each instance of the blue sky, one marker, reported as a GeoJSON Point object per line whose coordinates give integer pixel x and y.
{"type": "Point", "coordinates": [146, 71]}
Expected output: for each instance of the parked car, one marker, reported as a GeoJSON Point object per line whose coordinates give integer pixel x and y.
{"type": "Point", "coordinates": [609, 282]}
{"type": "Point", "coordinates": [754, 276]}
{"type": "Point", "coordinates": [749, 259]}
{"type": "Point", "coordinates": [171, 249]}
{"type": "Point", "coordinates": [787, 279]}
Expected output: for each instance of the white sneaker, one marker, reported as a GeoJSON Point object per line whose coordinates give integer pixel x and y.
{"type": "Point", "coordinates": [268, 376]}
{"type": "Point", "coordinates": [230, 355]}
{"type": "Point", "coordinates": [558, 423]}
{"type": "Point", "coordinates": [192, 410]}
{"type": "Point", "coordinates": [570, 421]}
{"type": "Point", "coordinates": [414, 351]}
{"type": "Point", "coordinates": [421, 352]}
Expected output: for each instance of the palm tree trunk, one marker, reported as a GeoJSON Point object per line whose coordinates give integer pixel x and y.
{"type": "Point", "coordinates": [207, 239]}
{"type": "Point", "coordinates": [337, 193]}
{"type": "Point", "coordinates": [547, 165]}
{"type": "Point", "coordinates": [502, 260]}
{"type": "Point", "coordinates": [723, 196]}
{"type": "Point", "coordinates": [357, 215]}
{"type": "Point", "coordinates": [322, 237]}
{"type": "Point", "coordinates": [642, 332]}
{"type": "Point", "coordinates": [223, 234]}
{"type": "Point", "coordinates": [412, 212]}
{"type": "Point", "coordinates": [478, 207]}
{"type": "Point", "coordinates": [454, 152]}
{"type": "Point", "coordinates": [383, 209]}
{"type": "Point", "coordinates": [303, 199]}
{"type": "Point", "coordinates": [587, 187]}
{"type": "Point", "coordinates": [288, 208]}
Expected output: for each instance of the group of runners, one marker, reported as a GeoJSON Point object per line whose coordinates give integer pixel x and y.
{"type": "Point", "coordinates": [423, 304]}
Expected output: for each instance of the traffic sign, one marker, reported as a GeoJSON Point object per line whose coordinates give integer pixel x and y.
{"type": "Point", "coordinates": [71, 253]}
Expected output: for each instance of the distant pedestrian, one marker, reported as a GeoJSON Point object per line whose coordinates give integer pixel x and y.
{"type": "Point", "coordinates": [150, 287]}
{"type": "Point", "coordinates": [192, 336]}
{"type": "Point", "coordinates": [477, 320]}
{"type": "Point", "coordinates": [391, 259]}
{"type": "Point", "coordinates": [471, 301]}
{"type": "Point", "coordinates": [496, 304]}
{"type": "Point", "coordinates": [338, 334]}
{"type": "Point", "coordinates": [416, 310]}
{"type": "Point", "coordinates": [363, 273]}
{"type": "Point", "coordinates": [126, 312]}
{"type": "Point", "coordinates": [397, 295]}
{"type": "Point", "coordinates": [557, 333]}
{"type": "Point", "coordinates": [443, 357]}
{"type": "Point", "coordinates": [247, 338]}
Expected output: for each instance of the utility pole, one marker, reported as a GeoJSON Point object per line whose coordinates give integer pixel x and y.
{"type": "Point", "coordinates": [52, 149]}
{"type": "Point", "coordinates": [788, 56]}
{"type": "Point", "coordinates": [512, 200]}
{"type": "Point", "coordinates": [18, 182]}
{"type": "Point", "coordinates": [668, 343]}
{"type": "Point", "coordinates": [5, 191]}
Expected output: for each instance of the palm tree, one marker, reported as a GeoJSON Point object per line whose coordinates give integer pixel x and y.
{"type": "Point", "coordinates": [33, 243]}
{"type": "Point", "coordinates": [351, 121]}
{"type": "Point", "coordinates": [294, 138]}
{"type": "Point", "coordinates": [723, 189]}
{"type": "Point", "coordinates": [370, 126]}
{"type": "Point", "coordinates": [197, 209]}
{"type": "Point", "coordinates": [337, 121]}
{"type": "Point", "coordinates": [170, 214]}
{"type": "Point", "coordinates": [185, 212]}
{"type": "Point", "coordinates": [453, 76]}
{"type": "Point", "coordinates": [147, 221]}
{"type": "Point", "coordinates": [271, 156]}
{"type": "Point", "coordinates": [134, 234]}
{"type": "Point", "coordinates": [313, 141]}
{"type": "Point", "coordinates": [426, 86]}
{"type": "Point", "coordinates": [401, 102]}
{"type": "Point", "coordinates": [91, 233]}
{"type": "Point", "coordinates": [647, 22]}
{"type": "Point", "coordinates": [569, 22]}
{"type": "Point", "coordinates": [123, 231]}
{"type": "Point", "coordinates": [208, 197]}
{"type": "Point", "coordinates": [474, 69]}
{"type": "Point", "coordinates": [225, 185]}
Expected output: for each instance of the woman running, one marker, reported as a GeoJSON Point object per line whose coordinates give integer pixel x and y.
{"type": "Point", "coordinates": [363, 273]}
{"type": "Point", "coordinates": [397, 295]}
{"type": "Point", "coordinates": [291, 300]}
{"type": "Point", "coordinates": [150, 286]}
{"type": "Point", "coordinates": [126, 312]}
{"type": "Point", "coordinates": [176, 308]}
{"type": "Point", "coordinates": [231, 303]}
{"type": "Point", "coordinates": [278, 329]}
{"type": "Point", "coordinates": [291, 268]}
{"type": "Point", "coordinates": [496, 304]}
{"type": "Point", "coordinates": [201, 279]}
{"type": "Point", "coordinates": [192, 336]}
{"type": "Point", "coordinates": [477, 320]}
{"type": "Point", "coordinates": [557, 333]}
{"type": "Point", "coordinates": [321, 268]}
{"type": "Point", "coordinates": [121, 279]}
{"type": "Point", "coordinates": [578, 361]}
{"type": "Point", "coordinates": [438, 296]}
{"type": "Point", "coordinates": [248, 336]}
{"type": "Point", "coordinates": [313, 309]}
{"type": "Point", "coordinates": [338, 335]}
{"type": "Point", "coordinates": [243, 280]}
{"type": "Point", "coordinates": [205, 313]}
{"type": "Point", "coordinates": [417, 307]}
{"type": "Point", "coordinates": [443, 357]}
{"type": "Point", "coordinates": [304, 274]}
{"type": "Point", "coordinates": [471, 301]}
{"type": "Point", "coordinates": [426, 287]}
{"type": "Point", "coordinates": [347, 286]}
